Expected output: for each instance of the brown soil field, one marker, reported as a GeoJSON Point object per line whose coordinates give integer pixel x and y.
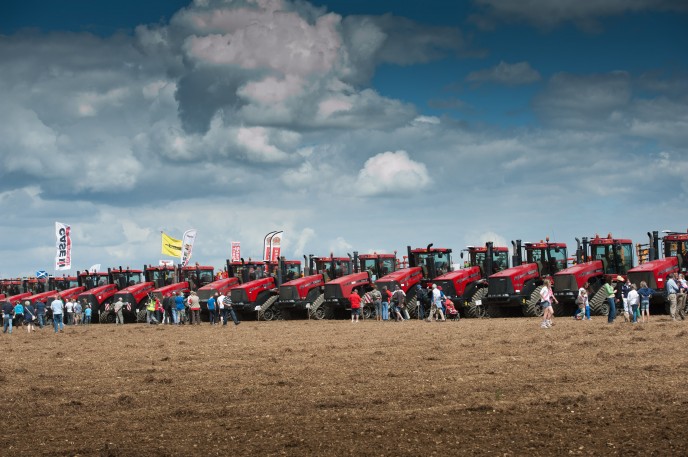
{"type": "Point", "coordinates": [476, 387]}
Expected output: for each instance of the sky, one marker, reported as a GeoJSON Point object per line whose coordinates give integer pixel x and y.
{"type": "Point", "coordinates": [350, 125]}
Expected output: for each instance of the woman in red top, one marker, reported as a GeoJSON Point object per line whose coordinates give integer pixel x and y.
{"type": "Point", "coordinates": [355, 301]}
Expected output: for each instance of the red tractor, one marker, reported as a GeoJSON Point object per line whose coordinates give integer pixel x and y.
{"type": "Point", "coordinates": [656, 271]}
{"type": "Point", "coordinates": [134, 290]}
{"type": "Point", "coordinates": [100, 288]}
{"type": "Point", "coordinates": [258, 290]}
{"type": "Point", "coordinates": [596, 260]}
{"type": "Point", "coordinates": [221, 286]}
{"type": "Point", "coordinates": [467, 287]}
{"type": "Point", "coordinates": [518, 287]}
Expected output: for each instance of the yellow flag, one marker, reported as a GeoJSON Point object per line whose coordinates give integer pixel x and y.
{"type": "Point", "coordinates": [170, 246]}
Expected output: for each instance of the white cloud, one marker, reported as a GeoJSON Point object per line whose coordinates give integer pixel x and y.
{"type": "Point", "coordinates": [391, 173]}
{"type": "Point", "coordinates": [508, 74]}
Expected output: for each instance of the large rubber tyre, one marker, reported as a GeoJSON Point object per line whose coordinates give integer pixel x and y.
{"type": "Point", "coordinates": [412, 307]}
{"type": "Point", "coordinates": [532, 307]}
{"type": "Point", "coordinates": [316, 306]}
{"type": "Point", "coordinates": [559, 309]}
{"type": "Point", "coordinates": [267, 311]}
{"type": "Point", "coordinates": [141, 315]}
{"type": "Point", "coordinates": [472, 309]}
{"type": "Point", "coordinates": [368, 311]}
{"type": "Point", "coordinates": [598, 303]}
{"type": "Point", "coordinates": [106, 317]}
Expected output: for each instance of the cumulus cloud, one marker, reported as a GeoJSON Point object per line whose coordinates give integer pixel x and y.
{"type": "Point", "coordinates": [504, 73]}
{"type": "Point", "coordinates": [391, 173]}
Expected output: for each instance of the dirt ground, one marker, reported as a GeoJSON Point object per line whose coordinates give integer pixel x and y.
{"type": "Point", "coordinates": [476, 387]}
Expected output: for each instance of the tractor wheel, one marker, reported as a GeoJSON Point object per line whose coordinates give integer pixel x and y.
{"type": "Point", "coordinates": [369, 312]}
{"type": "Point", "coordinates": [532, 307]}
{"type": "Point", "coordinates": [559, 309]}
{"type": "Point", "coordinates": [598, 303]}
{"type": "Point", "coordinates": [141, 315]}
{"type": "Point", "coordinates": [286, 315]}
{"type": "Point", "coordinates": [475, 310]}
{"type": "Point", "coordinates": [106, 317]}
{"type": "Point", "coordinates": [319, 313]}
{"type": "Point", "coordinates": [315, 306]}
{"type": "Point", "coordinates": [412, 307]}
{"type": "Point", "coordinates": [267, 311]}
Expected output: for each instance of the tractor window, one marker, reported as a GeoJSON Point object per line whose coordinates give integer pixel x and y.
{"type": "Point", "coordinates": [387, 266]}
{"type": "Point", "coordinates": [501, 261]}
{"type": "Point", "coordinates": [480, 258]}
{"type": "Point", "coordinates": [626, 257]}
{"type": "Point", "coordinates": [557, 259]}
{"type": "Point", "coordinates": [293, 271]}
{"type": "Point", "coordinates": [368, 265]}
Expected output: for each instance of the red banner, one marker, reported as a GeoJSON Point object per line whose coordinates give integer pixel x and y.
{"type": "Point", "coordinates": [236, 251]}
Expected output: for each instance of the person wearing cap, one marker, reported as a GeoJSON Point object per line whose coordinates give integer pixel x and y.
{"type": "Point", "coordinates": [195, 308]}
{"type": "Point", "coordinates": [618, 293]}
{"type": "Point", "coordinates": [672, 294]}
{"type": "Point", "coordinates": [119, 314]}
{"type": "Point", "coordinates": [29, 316]}
{"type": "Point", "coordinates": [355, 301]}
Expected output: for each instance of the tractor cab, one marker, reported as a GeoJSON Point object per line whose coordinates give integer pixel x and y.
{"type": "Point", "coordinates": [90, 279]}
{"type": "Point", "coordinates": [676, 245]}
{"type": "Point", "coordinates": [377, 265]}
{"type": "Point", "coordinates": [616, 254]}
{"type": "Point", "coordinates": [197, 276]}
{"type": "Point", "coordinates": [66, 282]}
{"type": "Point", "coordinates": [124, 278]}
{"type": "Point", "coordinates": [248, 270]}
{"type": "Point", "coordinates": [160, 275]}
{"type": "Point", "coordinates": [290, 269]}
{"type": "Point", "coordinates": [477, 257]}
{"type": "Point", "coordinates": [433, 262]}
{"type": "Point", "coordinates": [333, 267]}
{"type": "Point", "coordinates": [549, 257]}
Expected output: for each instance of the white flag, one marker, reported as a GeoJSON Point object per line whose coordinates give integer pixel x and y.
{"type": "Point", "coordinates": [94, 268]}
{"type": "Point", "coordinates": [187, 246]}
{"type": "Point", "coordinates": [63, 258]}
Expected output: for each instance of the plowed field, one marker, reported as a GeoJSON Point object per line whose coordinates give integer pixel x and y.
{"type": "Point", "coordinates": [475, 387]}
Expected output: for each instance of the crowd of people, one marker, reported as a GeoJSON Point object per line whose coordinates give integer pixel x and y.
{"type": "Point", "coordinates": [31, 315]}
{"type": "Point", "coordinates": [385, 301]}
{"type": "Point", "coordinates": [175, 309]}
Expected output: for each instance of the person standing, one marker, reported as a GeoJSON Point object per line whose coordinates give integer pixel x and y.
{"type": "Point", "coordinates": [645, 296]}
{"type": "Point", "coordinates": [355, 301]}
{"type": "Point", "coordinates": [681, 296]}
{"type": "Point", "coordinates": [180, 311]}
{"type": "Point", "coordinates": [57, 307]}
{"type": "Point", "coordinates": [29, 316]}
{"type": "Point", "coordinates": [377, 301]}
{"type": "Point", "coordinates": [581, 301]}
{"type": "Point", "coordinates": [436, 306]}
{"type": "Point", "coordinates": [546, 297]}
{"type": "Point", "coordinates": [7, 316]}
{"type": "Point", "coordinates": [87, 314]}
{"type": "Point", "coordinates": [672, 294]}
{"type": "Point", "coordinates": [609, 293]}
{"type": "Point", "coordinates": [228, 309]}
{"type": "Point", "coordinates": [40, 313]}
{"type": "Point", "coordinates": [420, 300]}
{"type": "Point", "coordinates": [220, 305]}
{"type": "Point", "coordinates": [195, 308]}
{"type": "Point", "coordinates": [19, 314]}
{"type": "Point", "coordinates": [386, 299]}
{"type": "Point", "coordinates": [119, 314]}
{"type": "Point", "coordinates": [69, 309]}
{"type": "Point", "coordinates": [211, 308]}
{"type": "Point", "coordinates": [633, 299]}
{"type": "Point", "coordinates": [77, 312]}
{"type": "Point", "coordinates": [167, 305]}
{"type": "Point", "coordinates": [398, 299]}
{"type": "Point", "coordinates": [150, 311]}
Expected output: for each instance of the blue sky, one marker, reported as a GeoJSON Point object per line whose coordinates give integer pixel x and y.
{"type": "Point", "coordinates": [351, 125]}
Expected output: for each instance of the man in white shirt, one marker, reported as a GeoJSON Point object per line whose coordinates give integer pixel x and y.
{"type": "Point", "coordinates": [57, 308]}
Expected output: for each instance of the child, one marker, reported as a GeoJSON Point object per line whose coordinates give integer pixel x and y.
{"type": "Point", "coordinates": [645, 294]}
